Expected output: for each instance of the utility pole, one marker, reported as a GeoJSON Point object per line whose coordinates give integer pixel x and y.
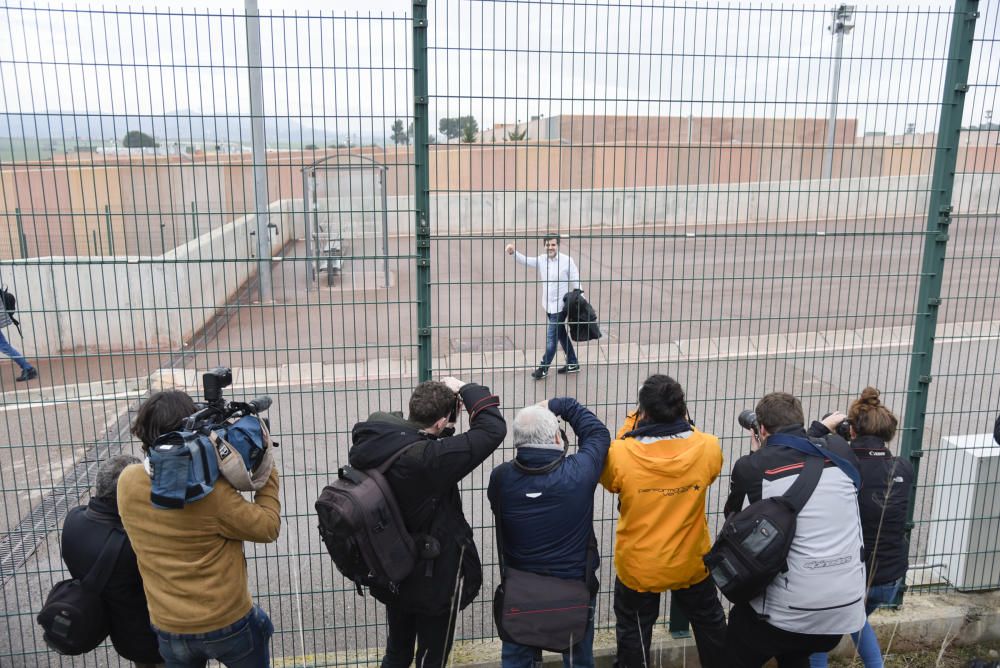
{"type": "Point", "coordinates": [263, 228]}
{"type": "Point", "coordinates": [843, 16]}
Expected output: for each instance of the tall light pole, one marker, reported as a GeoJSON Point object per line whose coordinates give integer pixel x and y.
{"type": "Point", "coordinates": [843, 17]}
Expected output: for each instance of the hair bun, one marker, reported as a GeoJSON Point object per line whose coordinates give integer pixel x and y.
{"type": "Point", "coordinates": [869, 397]}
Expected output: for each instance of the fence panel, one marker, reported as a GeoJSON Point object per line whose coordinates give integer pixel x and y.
{"type": "Point", "coordinates": [745, 193]}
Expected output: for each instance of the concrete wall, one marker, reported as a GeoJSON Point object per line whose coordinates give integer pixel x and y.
{"type": "Point", "coordinates": [138, 302]}
{"type": "Point", "coordinates": [158, 302]}
{"type": "Point", "coordinates": [565, 211]}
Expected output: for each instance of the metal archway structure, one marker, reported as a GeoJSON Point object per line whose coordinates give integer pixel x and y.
{"type": "Point", "coordinates": [324, 225]}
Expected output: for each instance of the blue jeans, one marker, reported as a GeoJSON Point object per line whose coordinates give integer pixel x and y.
{"type": "Point", "coordinates": [243, 644]}
{"type": "Point", "coordinates": [580, 655]}
{"type": "Point", "coordinates": [865, 639]}
{"type": "Point", "coordinates": [556, 331]}
{"type": "Point", "coordinates": [12, 353]}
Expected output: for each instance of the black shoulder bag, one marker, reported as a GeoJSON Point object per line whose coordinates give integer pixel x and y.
{"type": "Point", "coordinates": [540, 611]}
{"type": "Point", "coordinates": [74, 617]}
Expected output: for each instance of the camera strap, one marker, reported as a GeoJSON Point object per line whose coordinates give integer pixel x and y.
{"type": "Point", "coordinates": [807, 447]}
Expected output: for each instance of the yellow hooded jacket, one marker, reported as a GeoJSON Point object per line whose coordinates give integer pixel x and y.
{"type": "Point", "coordinates": [662, 485]}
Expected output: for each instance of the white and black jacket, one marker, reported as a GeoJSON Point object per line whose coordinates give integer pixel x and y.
{"type": "Point", "coordinates": [823, 590]}
{"type": "Point", "coordinates": [886, 482]}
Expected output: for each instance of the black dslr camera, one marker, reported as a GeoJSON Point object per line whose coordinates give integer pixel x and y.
{"type": "Point", "coordinates": [748, 420]}
{"type": "Point", "coordinates": [843, 429]}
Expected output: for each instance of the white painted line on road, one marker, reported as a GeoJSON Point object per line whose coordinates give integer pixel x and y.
{"type": "Point", "coordinates": [316, 374]}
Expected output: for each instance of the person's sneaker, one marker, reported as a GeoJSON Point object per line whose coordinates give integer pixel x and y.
{"type": "Point", "coordinates": [28, 374]}
{"type": "Point", "coordinates": [539, 373]}
{"type": "Point", "coordinates": [569, 368]}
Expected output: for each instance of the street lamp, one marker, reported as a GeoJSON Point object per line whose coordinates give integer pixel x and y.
{"type": "Point", "coordinates": [843, 23]}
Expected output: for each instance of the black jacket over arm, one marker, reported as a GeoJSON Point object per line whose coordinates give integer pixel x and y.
{"type": "Point", "coordinates": [425, 482]}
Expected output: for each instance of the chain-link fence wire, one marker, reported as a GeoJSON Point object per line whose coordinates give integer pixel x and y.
{"type": "Point", "coordinates": [957, 511]}
{"type": "Point", "coordinates": [726, 230]}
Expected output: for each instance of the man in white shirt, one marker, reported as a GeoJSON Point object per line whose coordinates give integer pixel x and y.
{"type": "Point", "coordinates": [558, 275]}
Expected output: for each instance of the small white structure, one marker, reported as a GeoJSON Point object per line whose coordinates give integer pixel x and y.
{"type": "Point", "coordinates": [965, 527]}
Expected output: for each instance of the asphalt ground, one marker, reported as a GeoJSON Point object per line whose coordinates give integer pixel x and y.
{"type": "Point", "coordinates": [648, 291]}
{"type": "Point", "coordinates": [319, 619]}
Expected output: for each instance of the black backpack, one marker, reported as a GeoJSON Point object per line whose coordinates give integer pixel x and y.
{"type": "Point", "coordinates": [752, 548]}
{"type": "Point", "coordinates": [10, 305]}
{"type": "Point", "coordinates": [74, 617]}
{"type": "Point", "coordinates": [363, 528]}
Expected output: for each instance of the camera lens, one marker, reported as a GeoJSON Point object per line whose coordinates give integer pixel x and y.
{"type": "Point", "coordinates": [748, 419]}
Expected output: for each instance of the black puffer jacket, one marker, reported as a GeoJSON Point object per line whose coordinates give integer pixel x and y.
{"type": "Point", "coordinates": [85, 532]}
{"type": "Point", "coordinates": [581, 318]}
{"type": "Point", "coordinates": [425, 482]}
{"type": "Point", "coordinates": [883, 500]}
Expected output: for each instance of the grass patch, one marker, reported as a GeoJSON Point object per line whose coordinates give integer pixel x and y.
{"type": "Point", "coordinates": [933, 657]}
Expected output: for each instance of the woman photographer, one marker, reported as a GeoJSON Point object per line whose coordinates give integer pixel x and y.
{"type": "Point", "coordinates": [886, 481]}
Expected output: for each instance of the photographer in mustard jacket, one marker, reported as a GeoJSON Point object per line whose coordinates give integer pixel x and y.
{"type": "Point", "coordinates": [191, 558]}
{"type": "Point", "coordinates": [661, 466]}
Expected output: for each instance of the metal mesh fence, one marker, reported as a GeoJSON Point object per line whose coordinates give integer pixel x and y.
{"type": "Point", "coordinates": [746, 192]}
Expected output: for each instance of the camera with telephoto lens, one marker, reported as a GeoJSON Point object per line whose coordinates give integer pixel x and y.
{"type": "Point", "coordinates": [748, 420]}
{"type": "Point", "coordinates": [223, 438]}
{"type": "Point", "coordinates": [843, 429]}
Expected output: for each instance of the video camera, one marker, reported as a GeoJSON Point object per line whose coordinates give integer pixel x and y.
{"type": "Point", "coordinates": [226, 438]}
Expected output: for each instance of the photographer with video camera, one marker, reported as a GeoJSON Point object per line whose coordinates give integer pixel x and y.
{"type": "Point", "coordinates": [426, 460]}
{"type": "Point", "coordinates": [190, 553]}
{"type": "Point", "coordinates": [884, 499]}
{"type": "Point", "coordinates": [818, 596]}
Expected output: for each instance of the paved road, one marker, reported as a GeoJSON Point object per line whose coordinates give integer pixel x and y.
{"type": "Point", "coordinates": [313, 609]}
{"type": "Point", "coordinates": [650, 291]}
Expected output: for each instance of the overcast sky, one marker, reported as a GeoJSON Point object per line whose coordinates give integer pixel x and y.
{"type": "Point", "coordinates": [348, 73]}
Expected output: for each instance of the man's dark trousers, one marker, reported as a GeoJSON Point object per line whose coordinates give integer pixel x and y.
{"type": "Point", "coordinates": [752, 642]}
{"type": "Point", "coordinates": [636, 613]}
{"type": "Point", "coordinates": [433, 636]}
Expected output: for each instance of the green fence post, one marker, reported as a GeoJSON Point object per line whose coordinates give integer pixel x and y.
{"type": "Point", "coordinates": [421, 190]}
{"type": "Point", "coordinates": [21, 239]}
{"type": "Point", "coordinates": [111, 234]}
{"type": "Point", "coordinates": [679, 625]}
{"type": "Point", "coordinates": [936, 240]}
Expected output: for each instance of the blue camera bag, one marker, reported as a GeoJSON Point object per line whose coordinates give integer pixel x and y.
{"type": "Point", "coordinates": [184, 469]}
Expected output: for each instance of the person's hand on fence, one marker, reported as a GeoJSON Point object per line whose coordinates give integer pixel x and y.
{"type": "Point", "coordinates": [509, 249]}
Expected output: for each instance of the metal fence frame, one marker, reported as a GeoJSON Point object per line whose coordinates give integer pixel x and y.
{"type": "Point", "coordinates": [422, 258]}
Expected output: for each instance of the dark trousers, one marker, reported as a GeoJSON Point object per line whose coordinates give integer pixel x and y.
{"type": "Point", "coordinates": [433, 637]}
{"type": "Point", "coordinates": [752, 642]}
{"type": "Point", "coordinates": [636, 613]}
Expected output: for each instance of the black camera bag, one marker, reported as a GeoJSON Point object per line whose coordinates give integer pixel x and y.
{"type": "Point", "coordinates": [752, 548]}
{"type": "Point", "coordinates": [363, 528]}
{"type": "Point", "coordinates": [74, 616]}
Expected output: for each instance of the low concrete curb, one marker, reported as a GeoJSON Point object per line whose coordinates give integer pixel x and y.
{"type": "Point", "coordinates": [926, 622]}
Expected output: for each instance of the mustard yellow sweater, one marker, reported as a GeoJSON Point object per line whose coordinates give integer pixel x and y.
{"type": "Point", "coordinates": [661, 486]}
{"type": "Point", "coordinates": [191, 559]}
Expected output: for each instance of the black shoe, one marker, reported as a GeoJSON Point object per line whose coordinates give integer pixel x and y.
{"type": "Point", "coordinates": [27, 374]}
{"type": "Point", "coordinates": [540, 372]}
{"type": "Point", "coordinates": [569, 368]}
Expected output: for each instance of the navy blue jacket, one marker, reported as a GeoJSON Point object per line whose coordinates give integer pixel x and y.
{"type": "Point", "coordinates": [548, 519]}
